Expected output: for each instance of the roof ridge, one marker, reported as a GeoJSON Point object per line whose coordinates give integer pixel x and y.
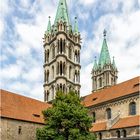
{"type": "Point", "coordinates": [24, 96]}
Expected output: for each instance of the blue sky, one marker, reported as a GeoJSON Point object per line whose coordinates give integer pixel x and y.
{"type": "Point", "coordinates": [22, 27]}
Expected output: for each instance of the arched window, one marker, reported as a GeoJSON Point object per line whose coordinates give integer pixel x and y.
{"type": "Point", "coordinates": [70, 72]}
{"type": "Point", "coordinates": [118, 134]}
{"type": "Point", "coordinates": [108, 113]}
{"type": "Point", "coordinates": [47, 59]}
{"type": "Point", "coordinates": [53, 52]}
{"type": "Point", "coordinates": [61, 87]}
{"type": "Point", "coordinates": [100, 82]}
{"type": "Point", "coordinates": [47, 97]}
{"type": "Point", "coordinates": [45, 56]}
{"type": "Point", "coordinates": [64, 67]}
{"type": "Point", "coordinates": [70, 52]}
{"type": "Point", "coordinates": [93, 117]}
{"type": "Point", "coordinates": [52, 92]}
{"type": "Point", "coordinates": [61, 45]}
{"type": "Point", "coordinates": [100, 136]}
{"type": "Point", "coordinates": [124, 133]}
{"type": "Point", "coordinates": [52, 72]}
{"type": "Point", "coordinates": [47, 78]}
{"type": "Point", "coordinates": [132, 108]}
{"type": "Point", "coordinates": [61, 68]}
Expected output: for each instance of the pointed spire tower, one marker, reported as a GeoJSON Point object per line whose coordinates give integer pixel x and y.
{"type": "Point", "coordinates": [104, 73]}
{"type": "Point", "coordinates": [61, 54]}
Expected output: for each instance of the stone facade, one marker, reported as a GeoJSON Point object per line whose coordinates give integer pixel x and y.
{"type": "Point", "coordinates": [119, 109]}
{"type": "Point", "coordinates": [61, 55]}
{"type": "Point", "coordinates": [18, 130]}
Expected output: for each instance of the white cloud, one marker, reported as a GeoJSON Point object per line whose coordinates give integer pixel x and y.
{"type": "Point", "coordinates": [87, 2]}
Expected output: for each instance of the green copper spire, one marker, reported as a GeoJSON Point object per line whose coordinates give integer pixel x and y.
{"type": "Point", "coordinates": [49, 27]}
{"type": "Point", "coordinates": [62, 12]}
{"type": "Point", "coordinates": [76, 26]}
{"type": "Point", "coordinates": [104, 55]}
{"type": "Point", "coordinates": [95, 67]}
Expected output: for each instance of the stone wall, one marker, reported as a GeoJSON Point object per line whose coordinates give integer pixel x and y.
{"type": "Point", "coordinates": [121, 106]}
{"type": "Point", "coordinates": [111, 134]}
{"type": "Point", "coordinates": [18, 130]}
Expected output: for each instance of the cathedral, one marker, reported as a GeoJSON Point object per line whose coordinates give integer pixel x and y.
{"type": "Point", "coordinates": [114, 107]}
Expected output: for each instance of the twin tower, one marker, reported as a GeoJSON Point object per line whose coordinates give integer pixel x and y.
{"type": "Point", "coordinates": [62, 58]}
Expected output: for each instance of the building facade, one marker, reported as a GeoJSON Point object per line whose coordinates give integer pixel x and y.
{"type": "Point", "coordinates": [20, 116]}
{"type": "Point", "coordinates": [116, 111]}
{"type": "Point", "coordinates": [61, 55]}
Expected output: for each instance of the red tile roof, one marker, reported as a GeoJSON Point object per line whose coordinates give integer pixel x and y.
{"type": "Point", "coordinates": [21, 108]}
{"type": "Point", "coordinates": [119, 90]}
{"type": "Point", "coordinates": [126, 122]}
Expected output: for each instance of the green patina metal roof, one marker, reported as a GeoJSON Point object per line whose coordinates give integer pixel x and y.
{"type": "Point", "coordinates": [104, 55]}
{"type": "Point", "coordinates": [49, 27]}
{"type": "Point", "coordinates": [76, 26]}
{"type": "Point", "coordinates": [62, 13]}
{"type": "Point", "coordinates": [95, 67]}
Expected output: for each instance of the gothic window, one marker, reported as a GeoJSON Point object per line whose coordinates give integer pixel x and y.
{"type": "Point", "coordinates": [61, 45]}
{"type": "Point", "coordinates": [19, 130]}
{"type": "Point", "coordinates": [70, 72]}
{"type": "Point", "coordinates": [47, 78]}
{"type": "Point", "coordinates": [94, 117]}
{"type": "Point", "coordinates": [61, 87]}
{"type": "Point", "coordinates": [47, 59]}
{"type": "Point", "coordinates": [52, 92]}
{"type": "Point", "coordinates": [58, 42]}
{"type": "Point", "coordinates": [70, 52]}
{"type": "Point", "coordinates": [45, 56]}
{"type": "Point", "coordinates": [108, 113]}
{"type": "Point", "coordinates": [124, 133]}
{"type": "Point", "coordinates": [100, 136]}
{"type": "Point", "coordinates": [118, 134]}
{"type": "Point", "coordinates": [100, 82]}
{"type": "Point", "coordinates": [64, 44]}
{"type": "Point", "coordinates": [64, 88]}
{"type": "Point", "coordinates": [64, 68]}
{"type": "Point", "coordinates": [75, 57]}
{"type": "Point", "coordinates": [79, 76]}
{"type": "Point", "coordinates": [53, 52]}
{"type": "Point", "coordinates": [132, 108]}
{"type": "Point", "coordinates": [79, 56]}
{"type": "Point", "coordinates": [61, 68]}
{"type": "Point", "coordinates": [75, 76]}
{"type": "Point", "coordinates": [57, 68]}
{"type": "Point", "coordinates": [52, 72]}
{"type": "Point", "coordinates": [47, 97]}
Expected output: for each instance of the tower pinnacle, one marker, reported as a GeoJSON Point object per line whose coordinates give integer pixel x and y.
{"type": "Point", "coordinates": [76, 26]}
{"type": "Point", "coordinates": [49, 26]}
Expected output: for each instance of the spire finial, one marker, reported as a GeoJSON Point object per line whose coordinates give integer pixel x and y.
{"type": "Point", "coordinates": [104, 33]}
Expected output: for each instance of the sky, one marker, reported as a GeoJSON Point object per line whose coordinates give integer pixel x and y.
{"type": "Point", "coordinates": [24, 22]}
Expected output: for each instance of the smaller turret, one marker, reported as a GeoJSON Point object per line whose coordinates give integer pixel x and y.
{"type": "Point", "coordinates": [104, 72]}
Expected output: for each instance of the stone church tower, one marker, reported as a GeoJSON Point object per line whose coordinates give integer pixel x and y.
{"type": "Point", "coordinates": [104, 72]}
{"type": "Point", "coordinates": [61, 55]}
